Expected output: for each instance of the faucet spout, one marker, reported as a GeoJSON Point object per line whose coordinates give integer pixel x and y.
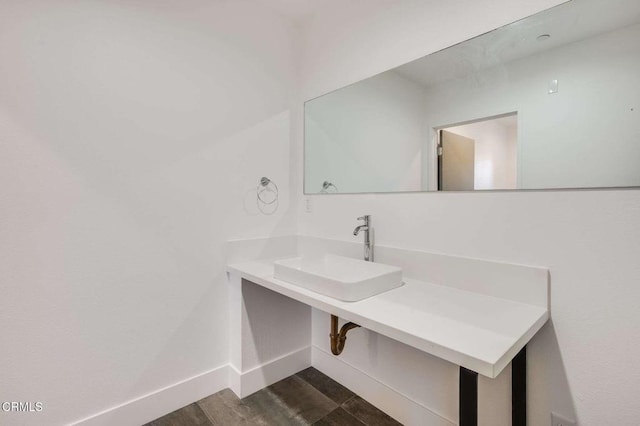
{"type": "Point", "coordinates": [360, 228]}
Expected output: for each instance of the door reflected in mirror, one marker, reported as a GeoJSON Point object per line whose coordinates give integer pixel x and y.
{"type": "Point", "coordinates": [478, 155]}
{"type": "Point", "coordinates": [572, 74]}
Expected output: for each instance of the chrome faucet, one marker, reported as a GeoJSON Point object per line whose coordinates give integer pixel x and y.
{"type": "Point", "coordinates": [368, 244]}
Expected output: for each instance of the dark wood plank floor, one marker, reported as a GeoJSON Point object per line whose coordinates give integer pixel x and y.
{"type": "Point", "coordinates": [306, 398]}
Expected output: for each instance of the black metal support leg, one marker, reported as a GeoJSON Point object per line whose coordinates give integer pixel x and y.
{"type": "Point", "coordinates": [468, 397]}
{"type": "Point", "coordinates": [519, 389]}
{"type": "Point", "coordinates": [469, 393]}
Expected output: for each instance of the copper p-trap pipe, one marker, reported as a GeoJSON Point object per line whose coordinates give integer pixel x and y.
{"type": "Point", "coordinates": [338, 339]}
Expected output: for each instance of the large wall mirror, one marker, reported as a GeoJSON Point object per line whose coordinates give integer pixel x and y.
{"type": "Point", "coordinates": [551, 101]}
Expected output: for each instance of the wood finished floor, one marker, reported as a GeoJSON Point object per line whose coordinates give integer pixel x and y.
{"type": "Point", "coordinates": [306, 398]}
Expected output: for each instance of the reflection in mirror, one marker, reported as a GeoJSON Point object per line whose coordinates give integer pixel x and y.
{"type": "Point", "coordinates": [551, 101]}
{"type": "Point", "coordinates": [478, 155]}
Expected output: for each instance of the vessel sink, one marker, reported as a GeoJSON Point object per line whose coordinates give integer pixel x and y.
{"type": "Point", "coordinates": [342, 278]}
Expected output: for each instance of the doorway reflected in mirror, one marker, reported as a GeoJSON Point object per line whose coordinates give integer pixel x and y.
{"type": "Point", "coordinates": [478, 155]}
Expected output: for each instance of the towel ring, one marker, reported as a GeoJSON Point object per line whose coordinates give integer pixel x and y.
{"type": "Point", "coordinates": [267, 196]}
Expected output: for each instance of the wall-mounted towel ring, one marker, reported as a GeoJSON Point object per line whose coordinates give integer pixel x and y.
{"type": "Point", "coordinates": [328, 187]}
{"type": "Point", "coordinates": [267, 196]}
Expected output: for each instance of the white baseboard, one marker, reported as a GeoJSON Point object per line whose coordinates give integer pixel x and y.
{"type": "Point", "coordinates": [392, 402]}
{"type": "Point", "coordinates": [163, 401]}
{"type": "Point", "coordinates": [248, 382]}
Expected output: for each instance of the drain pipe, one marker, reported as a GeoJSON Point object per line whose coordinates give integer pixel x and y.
{"type": "Point", "coordinates": [338, 339]}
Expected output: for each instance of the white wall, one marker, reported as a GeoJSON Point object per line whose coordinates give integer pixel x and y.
{"type": "Point", "coordinates": [579, 364]}
{"type": "Point", "coordinates": [366, 137]}
{"type": "Point", "coordinates": [132, 137]}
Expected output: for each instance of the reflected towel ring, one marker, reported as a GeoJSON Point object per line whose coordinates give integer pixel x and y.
{"type": "Point", "coordinates": [327, 188]}
{"type": "Point", "coordinates": [267, 196]}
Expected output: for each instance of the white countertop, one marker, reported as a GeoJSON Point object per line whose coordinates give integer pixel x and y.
{"type": "Point", "coordinates": [479, 332]}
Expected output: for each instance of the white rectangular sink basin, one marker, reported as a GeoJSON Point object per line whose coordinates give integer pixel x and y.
{"type": "Point", "coordinates": [342, 278]}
